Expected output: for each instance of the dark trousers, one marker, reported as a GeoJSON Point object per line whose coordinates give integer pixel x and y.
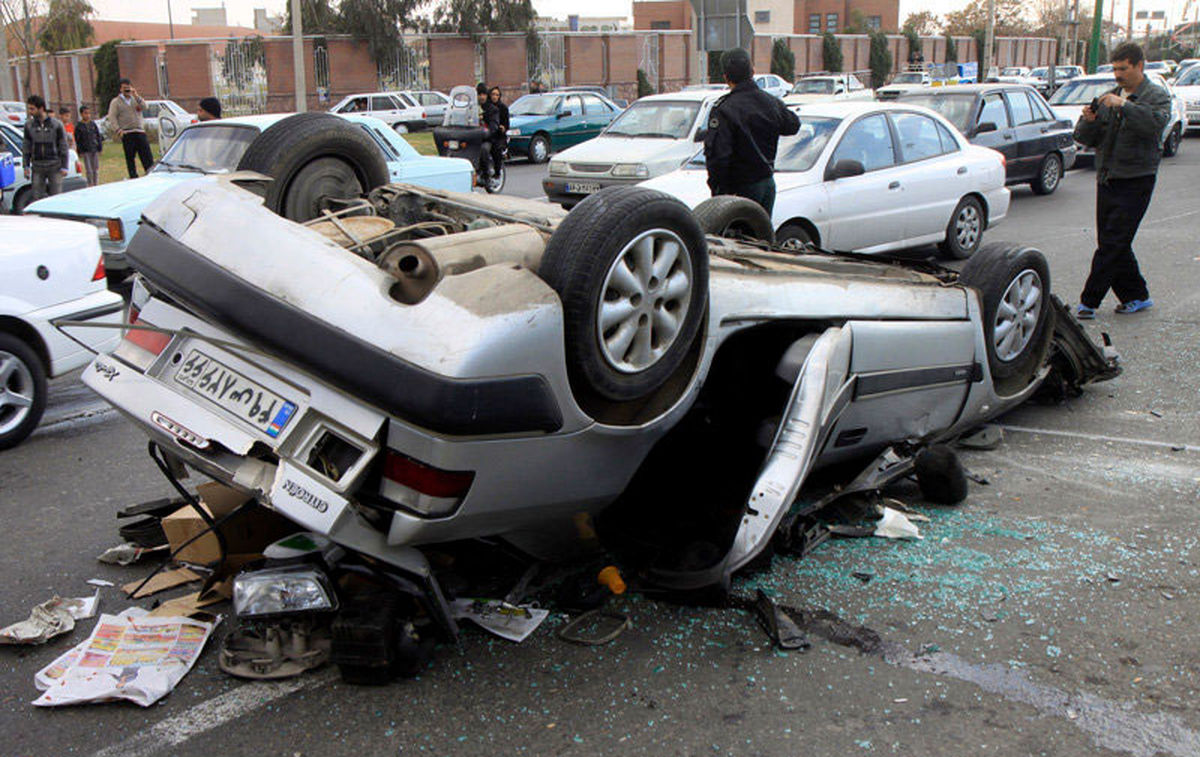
{"type": "Point", "coordinates": [498, 145]}
{"type": "Point", "coordinates": [762, 192]}
{"type": "Point", "coordinates": [136, 143]}
{"type": "Point", "coordinates": [1120, 206]}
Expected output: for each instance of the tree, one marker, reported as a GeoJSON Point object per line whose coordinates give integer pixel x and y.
{"type": "Point", "coordinates": [951, 49]}
{"type": "Point", "coordinates": [983, 56]}
{"type": "Point", "coordinates": [924, 23]}
{"type": "Point", "coordinates": [318, 17]}
{"type": "Point", "coordinates": [880, 58]}
{"type": "Point", "coordinates": [475, 17]}
{"type": "Point", "coordinates": [831, 53]}
{"type": "Point", "coordinates": [108, 73]}
{"type": "Point", "coordinates": [66, 26]}
{"type": "Point", "coordinates": [376, 21]}
{"type": "Point", "coordinates": [643, 84]}
{"type": "Point", "coordinates": [16, 16]}
{"type": "Point", "coordinates": [783, 60]}
{"type": "Point", "coordinates": [1010, 18]}
{"type": "Point", "coordinates": [856, 23]}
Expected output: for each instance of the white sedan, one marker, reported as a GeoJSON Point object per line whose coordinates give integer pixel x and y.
{"type": "Point", "coordinates": [49, 270]}
{"type": "Point", "coordinates": [873, 177]}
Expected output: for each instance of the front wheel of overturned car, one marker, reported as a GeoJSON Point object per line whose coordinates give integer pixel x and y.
{"type": "Point", "coordinates": [965, 230]}
{"type": "Point", "coordinates": [302, 154]}
{"type": "Point", "coordinates": [1014, 288]}
{"type": "Point", "coordinates": [631, 267]}
{"type": "Point", "coordinates": [735, 218]}
{"type": "Point", "coordinates": [22, 390]}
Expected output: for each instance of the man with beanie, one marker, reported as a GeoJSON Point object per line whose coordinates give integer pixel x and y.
{"type": "Point", "coordinates": [210, 109]}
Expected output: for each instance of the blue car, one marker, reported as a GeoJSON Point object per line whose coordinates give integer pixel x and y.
{"type": "Point", "coordinates": [213, 148]}
{"type": "Point", "coordinates": [545, 123]}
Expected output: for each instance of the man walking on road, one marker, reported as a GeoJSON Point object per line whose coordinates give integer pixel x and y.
{"type": "Point", "coordinates": [743, 132]}
{"type": "Point", "coordinates": [89, 145]}
{"type": "Point", "coordinates": [1125, 128]}
{"type": "Point", "coordinates": [125, 114]}
{"type": "Point", "coordinates": [44, 150]}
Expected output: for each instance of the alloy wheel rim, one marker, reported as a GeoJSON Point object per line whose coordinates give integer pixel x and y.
{"type": "Point", "coordinates": [1017, 315]}
{"type": "Point", "coordinates": [16, 392]}
{"type": "Point", "coordinates": [644, 300]}
{"type": "Point", "coordinates": [966, 227]}
{"type": "Point", "coordinates": [1050, 174]}
{"type": "Point", "coordinates": [539, 150]}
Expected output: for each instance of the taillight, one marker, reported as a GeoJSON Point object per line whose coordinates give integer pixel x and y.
{"type": "Point", "coordinates": [140, 347]}
{"type": "Point", "coordinates": [422, 487]}
{"type": "Point", "coordinates": [98, 274]}
{"type": "Point", "coordinates": [78, 167]}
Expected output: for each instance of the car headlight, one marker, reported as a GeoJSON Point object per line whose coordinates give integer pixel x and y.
{"type": "Point", "coordinates": [282, 591]}
{"type": "Point", "coordinates": [109, 229]}
{"type": "Point", "coordinates": [514, 132]}
{"type": "Point", "coordinates": [558, 168]}
{"type": "Point", "coordinates": [631, 169]}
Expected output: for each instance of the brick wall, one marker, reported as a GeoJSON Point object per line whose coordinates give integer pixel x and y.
{"type": "Point", "coordinates": [189, 71]}
{"type": "Point", "coordinates": [351, 69]}
{"type": "Point", "coordinates": [677, 13]}
{"type": "Point", "coordinates": [138, 63]}
{"type": "Point", "coordinates": [506, 63]}
{"type": "Point", "coordinates": [585, 60]}
{"type": "Point", "coordinates": [451, 62]}
{"type": "Point", "coordinates": [281, 94]}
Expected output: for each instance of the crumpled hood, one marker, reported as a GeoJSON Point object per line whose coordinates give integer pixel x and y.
{"type": "Point", "coordinates": [112, 200]}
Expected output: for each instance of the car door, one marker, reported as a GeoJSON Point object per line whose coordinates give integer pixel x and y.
{"type": "Point", "coordinates": [385, 109]}
{"type": "Point", "coordinates": [1031, 136]}
{"type": "Point", "coordinates": [928, 175]}
{"type": "Point", "coordinates": [596, 115]}
{"type": "Point", "coordinates": [868, 210]}
{"type": "Point", "coordinates": [992, 109]}
{"type": "Point", "coordinates": [571, 121]}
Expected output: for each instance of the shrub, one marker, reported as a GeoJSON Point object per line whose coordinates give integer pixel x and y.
{"type": "Point", "coordinates": [951, 49]}
{"type": "Point", "coordinates": [643, 83]}
{"type": "Point", "coordinates": [880, 58]}
{"type": "Point", "coordinates": [831, 53]}
{"type": "Point", "coordinates": [783, 60]}
{"type": "Point", "coordinates": [108, 73]}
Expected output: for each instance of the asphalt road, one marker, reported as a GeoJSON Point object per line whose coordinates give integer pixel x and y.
{"type": "Point", "coordinates": [1053, 613]}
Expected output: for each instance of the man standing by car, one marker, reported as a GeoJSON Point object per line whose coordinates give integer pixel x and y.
{"type": "Point", "coordinates": [125, 114]}
{"type": "Point", "coordinates": [88, 144]}
{"type": "Point", "coordinates": [1125, 128]}
{"type": "Point", "coordinates": [44, 150]}
{"type": "Point", "coordinates": [210, 109]}
{"type": "Point", "coordinates": [743, 132]}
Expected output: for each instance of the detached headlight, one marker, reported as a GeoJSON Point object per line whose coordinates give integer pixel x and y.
{"type": "Point", "coordinates": [558, 168]}
{"type": "Point", "coordinates": [282, 591]}
{"type": "Point", "coordinates": [638, 170]}
{"type": "Point", "coordinates": [514, 132]}
{"type": "Point", "coordinates": [109, 229]}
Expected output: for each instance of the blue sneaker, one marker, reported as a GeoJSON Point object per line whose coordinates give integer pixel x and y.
{"type": "Point", "coordinates": [1084, 313]}
{"type": "Point", "coordinates": [1134, 306]}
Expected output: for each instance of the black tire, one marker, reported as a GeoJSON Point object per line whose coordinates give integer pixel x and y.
{"type": "Point", "coordinates": [21, 374]}
{"type": "Point", "coordinates": [940, 475]}
{"type": "Point", "coordinates": [960, 243]}
{"type": "Point", "coordinates": [793, 236]}
{"type": "Point", "coordinates": [539, 148]}
{"type": "Point", "coordinates": [580, 263]}
{"type": "Point", "coordinates": [20, 200]}
{"type": "Point", "coordinates": [494, 184]}
{"type": "Point", "coordinates": [1171, 145]}
{"type": "Point", "coordinates": [1049, 175]}
{"type": "Point", "coordinates": [993, 271]}
{"type": "Point", "coordinates": [285, 149]}
{"type": "Point", "coordinates": [734, 217]}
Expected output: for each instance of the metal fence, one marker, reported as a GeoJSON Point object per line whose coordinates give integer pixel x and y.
{"type": "Point", "coordinates": [239, 76]}
{"type": "Point", "coordinates": [409, 69]}
{"type": "Point", "coordinates": [321, 70]}
{"type": "Point", "coordinates": [547, 60]}
{"type": "Point", "coordinates": [648, 62]}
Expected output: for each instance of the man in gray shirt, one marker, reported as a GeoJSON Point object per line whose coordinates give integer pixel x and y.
{"type": "Point", "coordinates": [125, 115]}
{"type": "Point", "coordinates": [44, 149]}
{"type": "Point", "coordinates": [1125, 127]}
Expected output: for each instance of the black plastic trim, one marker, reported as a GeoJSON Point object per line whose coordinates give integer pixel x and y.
{"type": "Point", "coordinates": [453, 406]}
{"type": "Point", "coordinates": [913, 378]}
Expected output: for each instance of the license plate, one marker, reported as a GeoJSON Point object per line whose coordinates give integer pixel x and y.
{"type": "Point", "coordinates": [582, 187]}
{"type": "Point", "coordinates": [452, 144]}
{"type": "Point", "coordinates": [234, 393]}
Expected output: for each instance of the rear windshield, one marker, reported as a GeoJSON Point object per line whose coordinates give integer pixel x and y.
{"type": "Point", "coordinates": [954, 108]}
{"type": "Point", "coordinates": [1081, 92]}
{"type": "Point", "coordinates": [814, 87]}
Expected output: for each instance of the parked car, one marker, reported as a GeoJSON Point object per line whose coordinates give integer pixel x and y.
{"type": "Point", "coordinates": [828, 87]}
{"type": "Point", "coordinates": [49, 270]}
{"type": "Point", "coordinates": [518, 383]}
{"type": "Point", "coordinates": [1068, 103]}
{"type": "Point", "coordinates": [215, 148]}
{"type": "Point", "coordinates": [1016, 75]}
{"type": "Point", "coordinates": [175, 113]}
{"type": "Point", "coordinates": [1159, 67]}
{"type": "Point", "coordinates": [654, 135]}
{"type": "Point", "coordinates": [842, 185]}
{"type": "Point", "coordinates": [433, 103]}
{"type": "Point", "coordinates": [14, 199]}
{"type": "Point", "coordinates": [774, 84]}
{"type": "Point", "coordinates": [12, 112]}
{"type": "Point", "coordinates": [1187, 88]}
{"type": "Point", "coordinates": [544, 123]}
{"type": "Point", "coordinates": [395, 109]}
{"type": "Point", "coordinates": [595, 90]}
{"type": "Point", "coordinates": [172, 119]}
{"type": "Point", "coordinates": [1061, 74]}
{"type": "Point", "coordinates": [918, 78]}
{"type": "Point", "coordinates": [1038, 146]}
{"type": "Point", "coordinates": [1184, 65]}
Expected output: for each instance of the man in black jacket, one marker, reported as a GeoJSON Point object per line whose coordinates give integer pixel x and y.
{"type": "Point", "coordinates": [1125, 128]}
{"type": "Point", "coordinates": [44, 150]}
{"type": "Point", "coordinates": [88, 144]}
{"type": "Point", "coordinates": [744, 128]}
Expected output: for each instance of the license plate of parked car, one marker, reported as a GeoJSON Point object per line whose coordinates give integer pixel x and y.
{"type": "Point", "coordinates": [231, 391]}
{"type": "Point", "coordinates": [582, 187]}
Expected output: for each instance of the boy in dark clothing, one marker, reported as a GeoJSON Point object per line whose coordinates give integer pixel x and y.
{"type": "Point", "coordinates": [44, 149]}
{"type": "Point", "coordinates": [89, 145]}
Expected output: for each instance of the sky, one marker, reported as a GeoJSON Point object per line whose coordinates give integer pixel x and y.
{"type": "Point", "coordinates": [241, 12]}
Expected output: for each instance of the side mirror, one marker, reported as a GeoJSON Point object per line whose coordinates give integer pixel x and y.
{"type": "Point", "coordinates": [985, 127]}
{"type": "Point", "coordinates": [565, 113]}
{"type": "Point", "coordinates": [701, 135]}
{"type": "Point", "coordinates": [844, 169]}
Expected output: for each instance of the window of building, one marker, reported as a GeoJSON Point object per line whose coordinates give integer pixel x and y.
{"type": "Point", "coordinates": [660, 24]}
{"type": "Point", "coordinates": [1142, 14]}
{"type": "Point", "coordinates": [874, 22]}
{"type": "Point", "coordinates": [814, 23]}
{"type": "Point", "coordinates": [1158, 14]}
{"type": "Point", "coordinates": [831, 23]}
{"type": "Point", "coordinates": [762, 17]}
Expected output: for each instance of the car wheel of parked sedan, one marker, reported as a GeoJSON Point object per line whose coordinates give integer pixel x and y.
{"type": "Point", "coordinates": [314, 158]}
{"type": "Point", "coordinates": [1049, 175]}
{"type": "Point", "coordinates": [1174, 139]}
{"type": "Point", "coordinates": [793, 237]}
{"type": "Point", "coordinates": [631, 267]}
{"type": "Point", "coordinates": [539, 149]}
{"type": "Point", "coordinates": [734, 217]}
{"type": "Point", "coordinates": [1014, 287]}
{"type": "Point", "coordinates": [965, 230]}
{"type": "Point", "coordinates": [22, 390]}
{"type": "Point", "coordinates": [20, 201]}
{"type": "Point", "coordinates": [401, 128]}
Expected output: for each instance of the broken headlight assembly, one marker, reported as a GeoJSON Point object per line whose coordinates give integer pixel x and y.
{"type": "Point", "coordinates": [274, 592]}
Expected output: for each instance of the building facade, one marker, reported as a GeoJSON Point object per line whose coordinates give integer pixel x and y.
{"type": "Point", "coordinates": [779, 16]}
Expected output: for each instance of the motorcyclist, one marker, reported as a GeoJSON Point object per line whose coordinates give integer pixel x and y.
{"type": "Point", "coordinates": [489, 119]}
{"type": "Point", "coordinates": [499, 137]}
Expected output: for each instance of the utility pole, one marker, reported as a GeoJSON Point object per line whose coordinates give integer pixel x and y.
{"type": "Point", "coordinates": [170, 20]}
{"type": "Point", "coordinates": [1094, 47]}
{"type": "Point", "coordinates": [989, 37]}
{"type": "Point", "coordinates": [1129, 27]}
{"type": "Point", "coordinates": [1074, 21]}
{"type": "Point", "coordinates": [298, 57]}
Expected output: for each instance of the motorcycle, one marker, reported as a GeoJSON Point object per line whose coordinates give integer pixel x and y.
{"type": "Point", "coordinates": [462, 136]}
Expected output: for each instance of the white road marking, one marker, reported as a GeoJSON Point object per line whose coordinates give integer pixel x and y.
{"type": "Point", "coordinates": [1179, 446]}
{"type": "Point", "coordinates": [213, 714]}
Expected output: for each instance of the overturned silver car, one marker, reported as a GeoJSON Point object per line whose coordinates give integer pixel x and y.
{"type": "Point", "coordinates": [425, 367]}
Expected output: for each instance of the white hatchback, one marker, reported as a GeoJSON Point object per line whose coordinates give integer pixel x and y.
{"type": "Point", "coordinates": [396, 109]}
{"type": "Point", "coordinates": [873, 177]}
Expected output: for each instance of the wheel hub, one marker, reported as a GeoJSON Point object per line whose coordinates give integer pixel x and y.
{"type": "Point", "coordinates": [644, 300]}
{"type": "Point", "coordinates": [1017, 315]}
{"type": "Point", "coordinates": [966, 227]}
{"type": "Point", "coordinates": [16, 392]}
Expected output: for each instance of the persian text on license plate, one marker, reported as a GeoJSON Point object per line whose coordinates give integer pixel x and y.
{"type": "Point", "coordinates": [234, 393]}
{"type": "Point", "coordinates": [582, 187]}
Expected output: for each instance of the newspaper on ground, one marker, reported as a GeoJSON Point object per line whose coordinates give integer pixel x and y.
{"type": "Point", "coordinates": [49, 619]}
{"type": "Point", "coordinates": [47, 676]}
{"type": "Point", "coordinates": [508, 621]}
{"type": "Point", "coordinates": [139, 659]}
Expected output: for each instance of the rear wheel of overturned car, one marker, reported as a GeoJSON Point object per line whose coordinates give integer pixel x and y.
{"type": "Point", "coordinates": [312, 158]}
{"type": "Point", "coordinates": [1049, 175]}
{"type": "Point", "coordinates": [964, 231]}
{"type": "Point", "coordinates": [631, 267]}
{"type": "Point", "coordinates": [734, 217]}
{"type": "Point", "coordinates": [1014, 287]}
{"type": "Point", "coordinates": [22, 390]}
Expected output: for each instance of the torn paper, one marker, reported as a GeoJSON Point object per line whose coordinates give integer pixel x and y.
{"type": "Point", "coordinates": [895, 525]}
{"type": "Point", "coordinates": [49, 619]}
{"type": "Point", "coordinates": [512, 622]}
